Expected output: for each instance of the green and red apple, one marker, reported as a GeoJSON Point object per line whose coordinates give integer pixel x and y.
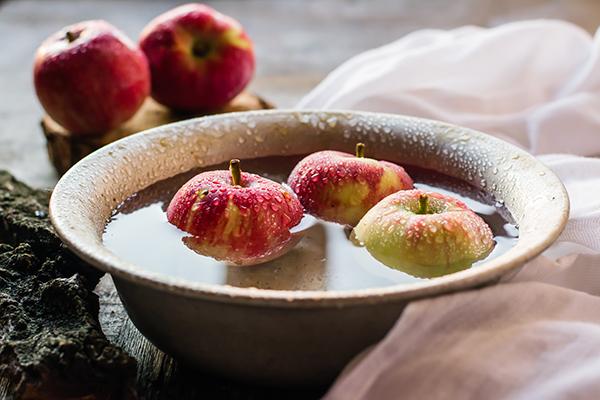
{"type": "Point", "coordinates": [90, 77]}
{"type": "Point", "coordinates": [425, 234]}
{"type": "Point", "coordinates": [342, 187]}
{"type": "Point", "coordinates": [199, 58]}
{"type": "Point", "coordinates": [235, 216]}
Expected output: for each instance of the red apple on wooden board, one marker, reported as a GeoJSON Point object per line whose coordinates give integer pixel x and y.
{"type": "Point", "coordinates": [235, 216]}
{"type": "Point", "coordinates": [199, 59]}
{"type": "Point", "coordinates": [342, 187]}
{"type": "Point", "coordinates": [90, 77]}
{"type": "Point", "coordinates": [425, 234]}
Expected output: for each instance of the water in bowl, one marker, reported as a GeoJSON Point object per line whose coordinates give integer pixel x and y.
{"type": "Point", "coordinates": [324, 259]}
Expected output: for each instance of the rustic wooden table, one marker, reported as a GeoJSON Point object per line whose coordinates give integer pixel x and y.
{"type": "Point", "coordinates": [297, 43]}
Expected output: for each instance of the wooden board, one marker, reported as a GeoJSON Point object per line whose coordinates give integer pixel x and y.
{"type": "Point", "coordinates": [65, 148]}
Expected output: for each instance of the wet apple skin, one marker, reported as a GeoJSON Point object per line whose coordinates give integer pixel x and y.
{"type": "Point", "coordinates": [341, 187]}
{"type": "Point", "coordinates": [449, 238]}
{"type": "Point", "coordinates": [236, 223]}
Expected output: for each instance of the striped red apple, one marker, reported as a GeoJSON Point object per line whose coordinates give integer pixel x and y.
{"type": "Point", "coordinates": [90, 77]}
{"type": "Point", "coordinates": [342, 187]}
{"type": "Point", "coordinates": [199, 58]}
{"type": "Point", "coordinates": [235, 216]}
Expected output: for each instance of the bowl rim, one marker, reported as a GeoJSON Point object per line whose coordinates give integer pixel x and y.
{"type": "Point", "coordinates": [124, 270]}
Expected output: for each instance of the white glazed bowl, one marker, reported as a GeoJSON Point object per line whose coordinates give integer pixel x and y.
{"type": "Point", "coordinates": [287, 337]}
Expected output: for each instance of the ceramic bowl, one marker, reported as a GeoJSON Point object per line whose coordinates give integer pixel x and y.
{"type": "Point", "coordinates": [287, 337]}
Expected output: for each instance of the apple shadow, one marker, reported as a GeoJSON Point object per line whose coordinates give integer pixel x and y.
{"type": "Point", "coordinates": [301, 268]}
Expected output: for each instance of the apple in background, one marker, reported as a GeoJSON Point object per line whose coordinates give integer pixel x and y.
{"type": "Point", "coordinates": [342, 187]}
{"type": "Point", "coordinates": [425, 234]}
{"type": "Point", "coordinates": [90, 77]}
{"type": "Point", "coordinates": [235, 216]}
{"type": "Point", "coordinates": [199, 59]}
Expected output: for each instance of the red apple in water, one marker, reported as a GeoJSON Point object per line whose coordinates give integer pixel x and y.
{"type": "Point", "coordinates": [90, 77]}
{"type": "Point", "coordinates": [235, 216]}
{"type": "Point", "coordinates": [342, 187]}
{"type": "Point", "coordinates": [425, 234]}
{"type": "Point", "coordinates": [199, 59]}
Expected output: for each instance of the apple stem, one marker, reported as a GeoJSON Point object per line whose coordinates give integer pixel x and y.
{"type": "Point", "coordinates": [236, 172]}
{"type": "Point", "coordinates": [201, 49]}
{"type": "Point", "coordinates": [71, 36]}
{"type": "Point", "coordinates": [423, 204]}
{"type": "Point", "coordinates": [360, 150]}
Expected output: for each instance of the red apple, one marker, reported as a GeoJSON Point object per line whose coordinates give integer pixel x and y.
{"type": "Point", "coordinates": [90, 77]}
{"type": "Point", "coordinates": [425, 234]}
{"type": "Point", "coordinates": [199, 59]}
{"type": "Point", "coordinates": [235, 216]}
{"type": "Point", "coordinates": [342, 187]}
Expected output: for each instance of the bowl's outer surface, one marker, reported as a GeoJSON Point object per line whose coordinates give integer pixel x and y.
{"type": "Point", "coordinates": [291, 336]}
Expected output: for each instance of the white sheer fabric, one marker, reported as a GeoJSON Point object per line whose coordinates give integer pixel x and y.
{"type": "Point", "coordinates": [536, 84]}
